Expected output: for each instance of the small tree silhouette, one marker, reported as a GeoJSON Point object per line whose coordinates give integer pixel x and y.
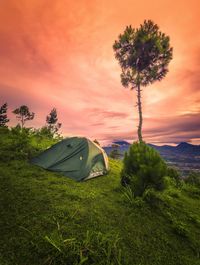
{"type": "Point", "coordinates": [52, 123]}
{"type": "Point", "coordinates": [115, 153]}
{"type": "Point", "coordinates": [144, 55]}
{"type": "Point", "coordinates": [23, 114]}
{"type": "Point", "coordinates": [3, 115]}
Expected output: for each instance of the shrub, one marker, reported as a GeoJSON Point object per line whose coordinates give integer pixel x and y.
{"type": "Point", "coordinates": [174, 173]}
{"type": "Point", "coordinates": [143, 168]}
{"type": "Point", "coordinates": [16, 144]}
{"type": "Point", "coordinates": [115, 153]}
{"type": "Point", "coordinates": [180, 228]}
{"type": "Point", "coordinates": [44, 132]}
{"type": "Point", "coordinates": [128, 194]}
{"type": "Point", "coordinates": [152, 197]}
{"type": "Point", "coordinates": [193, 179]}
{"type": "Point", "coordinates": [193, 191]}
{"type": "Point", "coordinates": [169, 182]}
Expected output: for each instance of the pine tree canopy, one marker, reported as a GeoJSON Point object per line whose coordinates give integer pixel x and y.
{"type": "Point", "coordinates": [3, 115]}
{"type": "Point", "coordinates": [143, 54]}
{"type": "Point", "coordinates": [52, 117]}
{"type": "Point", "coordinates": [23, 114]}
{"type": "Point", "coordinates": [52, 121]}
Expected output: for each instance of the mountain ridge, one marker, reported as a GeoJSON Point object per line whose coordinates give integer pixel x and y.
{"type": "Point", "coordinates": [185, 156]}
{"type": "Point", "coordinates": [181, 145]}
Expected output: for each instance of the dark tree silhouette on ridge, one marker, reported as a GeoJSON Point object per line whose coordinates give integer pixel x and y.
{"type": "Point", "coordinates": [52, 123]}
{"type": "Point", "coordinates": [3, 115]}
{"type": "Point", "coordinates": [23, 114]}
{"type": "Point", "coordinates": [144, 55]}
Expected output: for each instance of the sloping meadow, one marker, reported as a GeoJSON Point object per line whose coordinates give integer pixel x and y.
{"type": "Point", "coordinates": [47, 218]}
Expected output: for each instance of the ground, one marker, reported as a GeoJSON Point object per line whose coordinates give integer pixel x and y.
{"type": "Point", "coordinates": [47, 218]}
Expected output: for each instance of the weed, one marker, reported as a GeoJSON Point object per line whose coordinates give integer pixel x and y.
{"type": "Point", "coordinates": [93, 248]}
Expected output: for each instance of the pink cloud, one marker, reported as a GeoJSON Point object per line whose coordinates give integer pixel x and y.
{"type": "Point", "coordinates": [59, 54]}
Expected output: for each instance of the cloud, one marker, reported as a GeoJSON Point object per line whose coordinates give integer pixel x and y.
{"type": "Point", "coordinates": [59, 54]}
{"type": "Point", "coordinates": [21, 53]}
{"type": "Point", "coordinates": [187, 122]}
{"type": "Point", "coordinates": [97, 124]}
{"type": "Point", "coordinates": [163, 130]}
{"type": "Point", "coordinates": [106, 114]}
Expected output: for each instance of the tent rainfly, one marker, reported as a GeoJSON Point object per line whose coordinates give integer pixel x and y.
{"type": "Point", "coordinates": [77, 158]}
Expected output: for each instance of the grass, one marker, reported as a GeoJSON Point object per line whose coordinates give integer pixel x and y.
{"type": "Point", "coordinates": [48, 219]}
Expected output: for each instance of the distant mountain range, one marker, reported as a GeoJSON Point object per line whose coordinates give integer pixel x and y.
{"type": "Point", "coordinates": [182, 148]}
{"type": "Point", "coordinates": [184, 156]}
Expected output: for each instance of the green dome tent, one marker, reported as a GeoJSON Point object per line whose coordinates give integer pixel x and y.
{"type": "Point", "coordinates": [76, 157]}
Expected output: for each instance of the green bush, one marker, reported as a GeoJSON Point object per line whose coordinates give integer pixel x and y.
{"type": "Point", "coordinates": [174, 173]}
{"type": "Point", "coordinates": [129, 198]}
{"type": "Point", "coordinates": [143, 168]}
{"type": "Point", "coordinates": [15, 144]}
{"type": "Point", "coordinates": [180, 228]}
{"type": "Point", "coordinates": [44, 132]}
{"type": "Point", "coordinates": [22, 143]}
{"type": "Point", "coordinates": [152, 197]}
{"type": "Point", "coordinates": [193, 179]}
{"type": "Point", "coordinates": [169, 182]}
{"type": "Point", "coordinates": [193, 191]}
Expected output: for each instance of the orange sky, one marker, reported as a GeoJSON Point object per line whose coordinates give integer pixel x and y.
{"type": "Point", "coordinates": [58, 53]}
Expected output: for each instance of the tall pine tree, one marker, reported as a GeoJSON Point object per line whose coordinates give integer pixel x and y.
{"type": "Point", "coordinates": [143, 54]}
{"type": "Point", "coordinates": [3, 115]}
{"type": "Point", "coordinates": [52, 123]}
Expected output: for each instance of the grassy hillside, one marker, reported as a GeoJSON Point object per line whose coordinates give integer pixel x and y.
{"type": "Point", "coordinates": [49, 219]}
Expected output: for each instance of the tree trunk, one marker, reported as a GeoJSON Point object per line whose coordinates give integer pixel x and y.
{"type": "Point", "coordinates": [22, 121]}
{"type": "Point", "coordinates": [139, 104]}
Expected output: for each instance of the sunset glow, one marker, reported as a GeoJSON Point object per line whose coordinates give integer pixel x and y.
{"type": "Point", "coordinates": [58, 53]}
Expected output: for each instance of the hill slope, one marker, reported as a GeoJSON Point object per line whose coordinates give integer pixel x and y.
{"type": "Point", "coordinates": [47, 218]}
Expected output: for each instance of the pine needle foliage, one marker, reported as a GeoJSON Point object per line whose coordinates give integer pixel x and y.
{"type": "Point", "coordinates": [3, 115]}
{"type": "Point", "coordinates": [23, 114]}
{"type": "Point", "coordinates": [52, 122]}
{"type": "Point", "coordinates": [143, 168]}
